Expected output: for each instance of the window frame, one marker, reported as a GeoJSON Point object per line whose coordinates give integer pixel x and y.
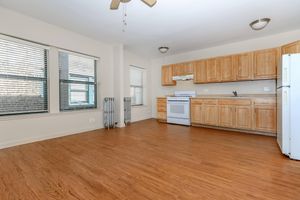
{"type": "Point", "coordinates": [45, 79]}
{"type": "Point", "coordinates": [137, 86]}
{"type": "Point", "coordinates": [87, 83]}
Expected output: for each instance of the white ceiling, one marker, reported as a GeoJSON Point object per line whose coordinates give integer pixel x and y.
{"type": "Point", "coordinates": [183, 25]}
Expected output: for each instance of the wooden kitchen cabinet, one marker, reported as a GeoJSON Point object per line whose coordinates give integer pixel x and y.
{"type": "Point", "coordinates": [196, 111]}
{"type": "Point", "coordinates": [235, 113]}
{"type": "Point", "coordinates": [167, 75]}
{"type": "Point", "coordinates": [243, 117]}
{"type": "Point", "coordinates": [265, 116]}
{"type": "Point", "coordinates": [291, 48]}
{"type": "Point", "coordinates": [265, 63]}
{"type": "Point", "coordinates": [212, 71]}
{"type": "Point", "coordinates": [227, 116]}
{"type": "Point", "coordinates": [200, 71]}
{"type": "Point", "coordinates": [244, 66]}
{"type": "Point", "coordinates": [183, 69]}
{"type": "Point", "coordinates": [226, 69]}
{"type": "Point", "coordinates": [161, 105]}
{"type": "Point", "coordinates": [210, 111]}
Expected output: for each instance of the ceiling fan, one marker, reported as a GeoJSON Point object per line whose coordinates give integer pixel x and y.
{"type": "Point", "coordinates": [115, 3]}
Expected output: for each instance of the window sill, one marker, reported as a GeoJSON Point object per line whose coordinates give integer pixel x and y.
{"type": "Point", "coordinates": [42, 115]}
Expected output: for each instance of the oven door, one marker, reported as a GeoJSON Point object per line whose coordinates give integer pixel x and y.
{"type": "Point", "coordinates": [178, 109]}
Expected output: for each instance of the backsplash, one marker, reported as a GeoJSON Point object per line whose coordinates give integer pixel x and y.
{"type": "Point", "coordinates": [244, 87]}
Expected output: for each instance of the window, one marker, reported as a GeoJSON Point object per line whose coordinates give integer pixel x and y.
{"type": "Point", "coordinates": [136, 85]}
{"type": "Point", "coordinates": [77, 81]}
{"type": "Point", "coordinates": [23, 77]}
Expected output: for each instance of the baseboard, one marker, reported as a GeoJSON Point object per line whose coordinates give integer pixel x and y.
{"type": "Point", "coordinates": [42, 138]}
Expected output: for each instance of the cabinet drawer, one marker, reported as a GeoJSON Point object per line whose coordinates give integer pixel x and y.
{"type": "Point", "coordinates": [270, 101]}
{"type": "Point", "coordinates": [210, 101]}
{"type": "Point", "coordinates": [235, 102]}
{"type": "Point", "coordinates": [196, 101]}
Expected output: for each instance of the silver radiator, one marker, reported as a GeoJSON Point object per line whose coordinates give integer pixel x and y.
{"type": "Point", "coordinates": [127, 110]}
{"type": "Point", "coordinates": [109, 112]}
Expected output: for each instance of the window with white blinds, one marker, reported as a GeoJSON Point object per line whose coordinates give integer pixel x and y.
{"type": "Point", "coordinates": [136, 85]}
{"type": "Point", "coordinates": [23, 77]}
{"type": "Point", "coordinates": [77, 81]}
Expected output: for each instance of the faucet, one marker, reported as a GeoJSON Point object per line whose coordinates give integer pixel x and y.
{"type": "Point", "coordinates": [235, 93]}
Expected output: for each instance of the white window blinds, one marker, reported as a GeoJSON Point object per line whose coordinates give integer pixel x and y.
{"type": "Point", "coordinates": [136, 85]}
{"type": "Point", "coordinates": [23, 77]}
{"type": "Point", "coordinates": [77, 81]}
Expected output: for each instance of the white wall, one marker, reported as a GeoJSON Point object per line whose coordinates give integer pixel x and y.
{"type": "Point", "coordinates": [27, 128]}
{"type": "Point", "coordinates": [139, 112]}
{"type": "Point", "coordinates": [247, 87]}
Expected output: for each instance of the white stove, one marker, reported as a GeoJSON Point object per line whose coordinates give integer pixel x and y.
{"type": "Point", "coordinates": [178, 107]}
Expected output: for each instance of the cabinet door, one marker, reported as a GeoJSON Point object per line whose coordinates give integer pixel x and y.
{"type": "Point", "coordinates": [244, 66]}
{"type": "Point", "coordinates": [243, 117]}
{"type": "Point", "coordinates": [167, 75]}
{"type": "Point", "coordinates": [200, 71]}
{"type": "Point", "coordinates": [265, 64]}
{"type": "Point", "coordinates": [265, 118]}
{"type": "Point", "coordinates": [212, 71]}
{"type": "Point", "coordinates": [182, 69]}
{"type": "Point", "coordinates": [291, 48]}
{"type": "Point", "coordinates": [210, 115]}
{"type": "Point", "coordinates": [227, 116]}
{"type": "Point", "coordinates": [196, 113]}
{"type": "Point", "coordinates": [227, 69]}
{"type": "Point", "coordinates": [161, 104]}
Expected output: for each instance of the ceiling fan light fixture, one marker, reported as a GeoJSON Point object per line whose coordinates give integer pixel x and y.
{"type": "Point", "coordinates": [163, 49]}
{"type": "Point", "coordinates": [259, 24]}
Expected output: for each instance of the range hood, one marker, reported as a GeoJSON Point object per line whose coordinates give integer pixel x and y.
{"type": "Point", "coordinates": [183, 78]}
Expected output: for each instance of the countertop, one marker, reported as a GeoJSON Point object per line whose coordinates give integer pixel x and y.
{"type": "Point", "coordinates": [240, 96]}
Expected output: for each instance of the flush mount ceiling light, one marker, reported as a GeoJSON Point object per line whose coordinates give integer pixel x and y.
{"type": "Point", "coordinates": [163, 49]}
{"type": "Point", "coordinates": [259, 24]}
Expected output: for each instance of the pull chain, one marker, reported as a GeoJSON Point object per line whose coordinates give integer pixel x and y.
{"type": "Point", "coordinates": [124, 18]}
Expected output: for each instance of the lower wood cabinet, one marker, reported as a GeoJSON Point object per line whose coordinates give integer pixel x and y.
{"type": "Point", "coordinates": [243, 117]}
{"type": "Point", "coordinates": [196, 112]}
{"type": "Point", "coordinates": [265, 115]}
{"type": "Point", "coordinates": [210, 115]}
{"type": "Point", "coordinates": [258, 115]}
{"type": "Point", "coordinates": [227, 116]}
{"type": "Point", "coordinates": [161, 105]}
{"type": "Point", "coordinates": [250, 114]}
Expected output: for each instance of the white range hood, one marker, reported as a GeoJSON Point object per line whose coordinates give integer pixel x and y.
{"type": "Point", "coordinates": [183, 78]}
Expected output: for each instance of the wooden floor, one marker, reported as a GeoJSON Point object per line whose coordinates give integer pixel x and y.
{"type": "Point", "coordinates": [148, 160]}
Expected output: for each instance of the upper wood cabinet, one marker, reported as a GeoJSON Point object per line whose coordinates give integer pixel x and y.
{"type": "Point", "coordinates": [212, 71]}
{"type": "Point", "coordinates": [183, 69]}
{"type": "Point", "coordinates": [291, 48]}
{"type": "Point", "coordinates": [265, 63]}
{"type": "Point", "coordinates": [200, 71]}
{"type": "Point", "coordinates": [244, 66]}
{"type": "Point", "coordinates": [226, 68]}
{"type": "Point", "coordinates": [167, 75]}
{"type": "Point", "coordinates": [256, 65]}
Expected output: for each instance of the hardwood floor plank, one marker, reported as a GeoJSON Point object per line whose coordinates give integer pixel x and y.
{"type": "Point", "coordinates": [149, 160]}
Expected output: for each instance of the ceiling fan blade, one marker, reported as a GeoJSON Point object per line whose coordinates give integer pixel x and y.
{"type": "Point", "coordinates": [114, 4]}
{"type": "Point", "coordinates": [150, 3]}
